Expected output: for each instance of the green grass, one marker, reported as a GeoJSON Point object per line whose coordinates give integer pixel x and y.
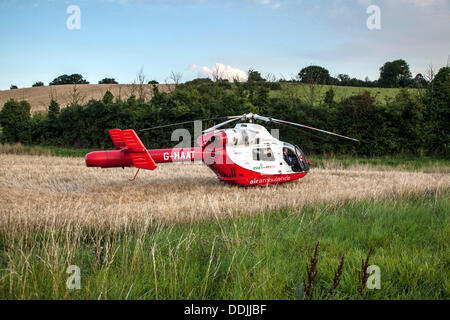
{"type": "Point", "coordinates": [261, 257]}
{"type": "Point", "coordinates": [382, 95]}
{"type": "Point", "coordinates": [408, 163]}
{"type": "Point", "coordinates": [39, 150]}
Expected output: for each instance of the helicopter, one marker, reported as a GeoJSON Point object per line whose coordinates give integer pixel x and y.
{"type": "Point", "coordinates": [246, 155]}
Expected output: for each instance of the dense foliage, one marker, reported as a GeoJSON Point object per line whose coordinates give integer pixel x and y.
{"type": "Point", "coordinates": [108, 81]}
{"type": "Point", "coordinates": [409, 124]}
{"type": "Point", "coordinates": [38, 84]}
{"type": "Point", "coordinates": [395, 74]}
{"type": "Point", "coordinates": [66, 79]}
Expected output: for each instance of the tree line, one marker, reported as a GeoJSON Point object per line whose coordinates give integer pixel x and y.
{"type": "Point", "coordinates": [412, 123]}
{"type": "Point", "coordinates": [393, 74]}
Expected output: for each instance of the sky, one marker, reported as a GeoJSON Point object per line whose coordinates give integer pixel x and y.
{"type": "Point", "coordinates": [116, 38]}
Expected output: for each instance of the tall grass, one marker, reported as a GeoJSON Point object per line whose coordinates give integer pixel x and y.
{"type": "Point", "coordinates": [260, 257]}
{"type": "Point", "coordinates": [177, 233]}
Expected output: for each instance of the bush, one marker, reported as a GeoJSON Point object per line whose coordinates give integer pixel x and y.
{"type": "Point", "coordinates": [405, 125]}
{"type": "Point", "coordinates": [108, 81]}
{"type": "Point", "coordinates": [14, 120]}
{"type": "Point", "coordinates": [38, 84]}
{"type": "Point", "coordinates": [438, 111]}
{"type": "Point", "coordinates": [66, 79]}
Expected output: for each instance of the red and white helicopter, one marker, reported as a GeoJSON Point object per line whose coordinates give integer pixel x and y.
{"type": "Point", "coordinates": [245, 155]}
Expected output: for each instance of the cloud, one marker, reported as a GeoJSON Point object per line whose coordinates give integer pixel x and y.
{"type": "Point", "coordinates": [274, 5]}
{"type": "Point", "coordinates": [418, 3]}
{"type": "Point", "coordinates": [220, 71]}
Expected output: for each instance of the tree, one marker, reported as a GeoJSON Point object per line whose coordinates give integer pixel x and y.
{"type": "Point", "coordinates": [108, 81]}
{"type": "Point", "coordinates": [217, 73]}
{"type": "Point", "coordinates": [66, 79]}
{"type": "Point", "coordinates": [38, 84]}
{"type": "Point", "coordinates": [406, 121]}
{"type": "Point", "coordinates": [153, 82]}
{"type": "Point", "coordinates": [420, 82]}
{"type": "Point", "coordinates": [262, 96]}
{"type": "Point", "coordinates": [344, 79]}
{"type": "Point", "coordinates": [313, 77]}
{"type": "Point", "coordinates": [141, 78]}
{"type": "Point", "coordinates": [254, 76]}
{"type": "Point", "coordinates": [108, 97]}
{"type": "Point", "coordinates": [75, 96]}
{"type": "Point", "coordinates": [13, 86]}
{"type": "Point", "coordinates": [438, 103]}
{"type": "Point", "coordinates": [314, 74]}
{"type": "Point", "coordinates": [329, 97]}
{"type": "Point", "coordinates": [395, 74]}
{"type": "Point", "coordinates": [53, 110]}
{"type": "Point", "coordinates": [14, 119]}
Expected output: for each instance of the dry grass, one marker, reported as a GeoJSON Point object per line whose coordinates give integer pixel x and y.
{"type": "Point", "coordinates": [56, 192]}
{"type": "Point", "coordinates": [39, 97]}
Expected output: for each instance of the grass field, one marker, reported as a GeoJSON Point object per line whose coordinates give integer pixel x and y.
{"type": "Point", "coordinates": [39, 97]}
{"type": "Point", "coordinates": [177, 232]}
{"type": "Point", "coordinates": [382, 95]}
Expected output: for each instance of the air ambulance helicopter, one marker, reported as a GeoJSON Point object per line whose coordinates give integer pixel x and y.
{"type": "Point", "coordinates": [246, 155]}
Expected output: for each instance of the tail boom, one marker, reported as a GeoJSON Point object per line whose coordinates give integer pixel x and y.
{"type": "Point", "coordinates": [131, 152]}
{"type": "Point", "coordinates": [122, 158]}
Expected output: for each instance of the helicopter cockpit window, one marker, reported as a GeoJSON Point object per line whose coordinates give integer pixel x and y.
{"type": "Point", "coordinates": [263, 154]}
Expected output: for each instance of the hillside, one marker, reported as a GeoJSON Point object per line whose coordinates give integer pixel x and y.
{"type": "Point", "coordinates": [302, 91]}
{"type": "Point", "coordinates": [39, 97]}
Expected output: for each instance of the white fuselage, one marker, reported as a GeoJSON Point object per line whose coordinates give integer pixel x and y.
{"type": "Point", "coordinates": [252, 147]}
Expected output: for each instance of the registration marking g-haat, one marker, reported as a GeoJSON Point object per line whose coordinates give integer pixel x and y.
{"type": "Point", "coordinates": [183, 155]}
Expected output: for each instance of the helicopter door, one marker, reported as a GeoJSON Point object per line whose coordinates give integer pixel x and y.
{"type": "Point", "coordinates": [291, 159]}
{"type": "Point", "coordinates": [304, 165]}
{"type": "Point", "coordinates": [296, 159]}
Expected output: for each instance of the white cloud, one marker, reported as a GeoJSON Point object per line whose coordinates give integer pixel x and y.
{"type": "Point", "coordinates": [419, 3]}
{"type": "Point", "coordinates": [220, 71]}
{"type": "Point", "coordinates": [274, 5]}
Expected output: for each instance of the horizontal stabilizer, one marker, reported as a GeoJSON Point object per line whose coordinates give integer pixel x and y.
{"type": "Point", "coordinates": [138, 152]}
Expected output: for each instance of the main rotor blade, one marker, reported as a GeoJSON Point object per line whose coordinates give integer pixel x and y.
{"type": "Point", "coordinates": [312, 128]}
{"type": "Point", "coordinates": [184, 122]}
{"type": "Point", "coordinates": [233, 118]}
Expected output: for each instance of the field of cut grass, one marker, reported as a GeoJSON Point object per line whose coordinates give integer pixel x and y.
{"type": "Point", "coordinates": [39, 97]}
{"type": "Point", "coordinates": [178, 233]}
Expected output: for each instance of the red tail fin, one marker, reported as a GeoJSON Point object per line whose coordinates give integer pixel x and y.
{"type": "Point", "coordinates": [116, 138]}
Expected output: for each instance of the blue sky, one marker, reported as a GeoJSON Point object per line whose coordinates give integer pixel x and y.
{"type": "Point", "coordinates": [118, 37]}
